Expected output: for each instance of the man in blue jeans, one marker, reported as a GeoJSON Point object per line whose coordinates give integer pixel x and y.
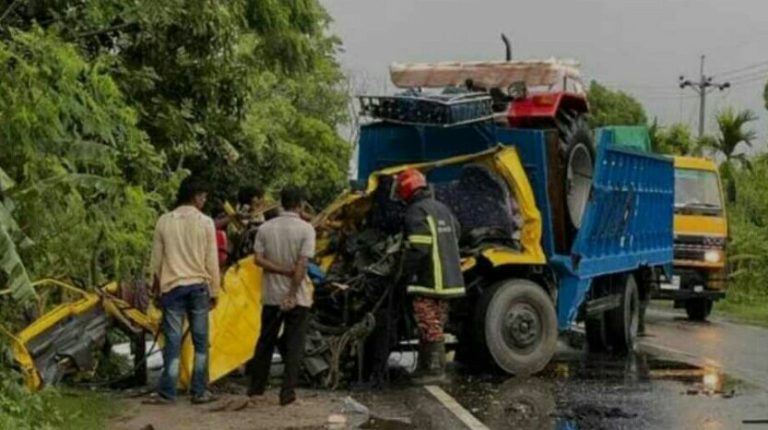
{"type": "Point", "coordinates": [186, 278]}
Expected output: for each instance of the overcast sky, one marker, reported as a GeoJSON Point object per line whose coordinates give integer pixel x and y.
{"type": "Point", "coordinates": [640, 46]}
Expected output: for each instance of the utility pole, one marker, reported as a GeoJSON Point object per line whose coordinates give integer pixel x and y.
{"type": "Point", "coordinates": [702, 88]}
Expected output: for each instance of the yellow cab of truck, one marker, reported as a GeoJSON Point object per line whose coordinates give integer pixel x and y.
{"type": "Point", "coordinates": [701, 234]}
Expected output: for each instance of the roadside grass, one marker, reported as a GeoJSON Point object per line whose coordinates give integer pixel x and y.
{"type": "Point", "coordinates": [54, 409]}
{"type": "Point", "coordinates": [755, 313]}
{"type": "Point", "coordinates": [84, 409]}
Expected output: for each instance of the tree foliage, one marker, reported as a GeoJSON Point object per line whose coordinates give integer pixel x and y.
{"type": "Point", "coordinates": [674, 139]}
{"type": "Point", "coordinates": [12, 270]}
{"type": "Point", "coordinates": [732, 133]}
{"type": "Point", "coordinates": [83, 168]}
{"type": "Point", "coordinates": [106, 104]}
{"type": "Point", "coordinates": [748, 251]}
{"type": "Point", "coordinates": [609, 107]}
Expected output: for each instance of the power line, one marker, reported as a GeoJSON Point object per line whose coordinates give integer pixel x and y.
{"type": "Point", "coordinates": [741, 69]}
{"type": "Point", "coordinates": [763, 76]}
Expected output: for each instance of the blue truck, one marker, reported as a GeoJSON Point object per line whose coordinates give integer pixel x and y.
{"type": "Point", "coordinates": [554, 232]}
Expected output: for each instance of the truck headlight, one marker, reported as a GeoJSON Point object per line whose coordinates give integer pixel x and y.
{"type": "Point", "coordinates": [713, 256]}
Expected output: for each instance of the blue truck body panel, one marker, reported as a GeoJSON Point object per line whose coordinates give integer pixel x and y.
{"type": "Point", "coordinates": [627, 224]}
{"type": "Point", "coordinates": [628, 220]}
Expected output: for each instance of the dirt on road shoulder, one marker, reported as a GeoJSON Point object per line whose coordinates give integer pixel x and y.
{"type": "Point", "coordinates": [231, 412]}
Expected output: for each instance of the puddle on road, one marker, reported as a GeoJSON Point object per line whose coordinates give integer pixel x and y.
{"type": "Point", "coordinates": [386, 424]}
{"type": "Point", "coordinates": [571, 393]}
{"type": "Point", "coordinates": [642, 367]}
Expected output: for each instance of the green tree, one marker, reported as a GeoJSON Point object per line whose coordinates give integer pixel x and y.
{"type": "Point", "coordinates": [609, 107]}
{"type": "Point", "coordinates": [85, 174]}
{"type": "Point", "coordinates": [12, 270]}
{"type": "Point", "coordinates": [106, 103]}
{"type": "Point", "coordinates": [731, 133]}
{"type": "Point", "coordinates": [675, 139]}
{"type": "Point", "coordinates": [748, 250]}
{"type": "Point", "coordinates": [196, 71]}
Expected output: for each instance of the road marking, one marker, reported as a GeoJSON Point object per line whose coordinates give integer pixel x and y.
{"type": "Point", "coordinates": [456, 409]}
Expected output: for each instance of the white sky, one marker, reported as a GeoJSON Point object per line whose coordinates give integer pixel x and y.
{"type": "Point", "coordinates": [640, 46]}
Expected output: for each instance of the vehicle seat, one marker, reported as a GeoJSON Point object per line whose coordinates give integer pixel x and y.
{"type": "Point", "coordinates": [481, 201]}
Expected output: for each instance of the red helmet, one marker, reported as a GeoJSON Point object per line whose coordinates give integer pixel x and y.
{"type": "Point", "coordinates": [408, 181]}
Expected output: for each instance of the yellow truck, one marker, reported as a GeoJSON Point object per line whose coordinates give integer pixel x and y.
{"type": "Point", "coordinates": [701, 236]}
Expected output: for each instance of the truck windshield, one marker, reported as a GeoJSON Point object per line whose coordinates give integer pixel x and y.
{"type": "Point", "coordinates": [697, 192]}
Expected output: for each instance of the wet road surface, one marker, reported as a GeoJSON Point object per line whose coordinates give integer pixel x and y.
{"type": "Point", "coordinates": [685, 375]}
{"type": "Point", "coordinates": [741, 350]}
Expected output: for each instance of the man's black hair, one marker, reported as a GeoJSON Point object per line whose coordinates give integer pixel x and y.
{"type": "Point", "coordinates": [246, 194]}
{"type": "Point", "coordinates": [291, 198]}
{"type": "Point", "coordinates": [190, 187]}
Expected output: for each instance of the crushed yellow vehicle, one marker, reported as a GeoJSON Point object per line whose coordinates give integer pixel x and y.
{"type": "Point", "coordinates": [63, 340]}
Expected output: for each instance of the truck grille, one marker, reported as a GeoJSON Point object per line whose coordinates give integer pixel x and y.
{"type": "Point", "coordinates": [707, 242]}
{"type": "Point", "coordinates": [683, 252]}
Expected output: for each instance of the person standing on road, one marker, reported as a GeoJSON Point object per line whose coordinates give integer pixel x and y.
{"type": "Point", "coordinates": [283, 248]}
{"type": "Point", "coordinates": [185, 267]}
{"type": "Point", "coordinates": [431, 269]}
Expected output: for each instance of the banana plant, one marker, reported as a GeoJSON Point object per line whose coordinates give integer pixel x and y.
{"type": "Point", "coordinates": [14, 274]}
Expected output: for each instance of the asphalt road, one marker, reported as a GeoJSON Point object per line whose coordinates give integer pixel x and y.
{"type": "Point", "coordinates": [740, 350]}
{"type": "Point", "coordinates": [684, 375]}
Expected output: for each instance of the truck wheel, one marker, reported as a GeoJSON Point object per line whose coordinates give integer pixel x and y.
{"type": "Point", "coordinates": [698, 309]}
{"type": "Point", "coordinates": [578, 151]}
{"type": "Point", "coordinates": [597, 338]}
{"type": "Point", "coordinates": [623, 321]}
{"type": "Point", "coordinates": [520, 326]}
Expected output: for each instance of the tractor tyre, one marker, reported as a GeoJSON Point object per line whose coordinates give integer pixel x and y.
{"type": "Point", "coordinates": [520, 326]}
{"type": "Point", "coordinates": [578, 155]}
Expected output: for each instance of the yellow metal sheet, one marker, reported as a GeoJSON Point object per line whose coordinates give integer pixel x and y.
{"type": "Point", "coordinates": [67, 310]}
{"type": "Point", "coordinates": [508, 165]}
{"type": "Point", "coordinates": [234, 325]}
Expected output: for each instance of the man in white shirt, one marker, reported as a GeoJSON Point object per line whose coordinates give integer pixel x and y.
{"type": "Point", "coordinates": [283, 248]}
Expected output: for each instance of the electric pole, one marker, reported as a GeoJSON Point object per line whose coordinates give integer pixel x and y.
{"type": "Point", "coordinates": [702, 88]}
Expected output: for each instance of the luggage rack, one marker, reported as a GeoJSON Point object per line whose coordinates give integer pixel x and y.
{"type": "Point", "coordinates": [443, 110]}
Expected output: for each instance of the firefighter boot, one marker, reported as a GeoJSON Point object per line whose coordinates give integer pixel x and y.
{"type": "Point", "coordinates": [431, 364]}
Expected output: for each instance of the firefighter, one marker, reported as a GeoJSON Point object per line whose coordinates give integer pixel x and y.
{"type": "Point", "coordinates": [431, 269]}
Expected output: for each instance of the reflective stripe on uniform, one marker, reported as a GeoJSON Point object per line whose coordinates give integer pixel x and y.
{"type": "Point", "coordinates": [436, 263]}
{"type": "Point", "coordinates": [443, 292]}
{"type": "Point", "coordinates": [420, 239]}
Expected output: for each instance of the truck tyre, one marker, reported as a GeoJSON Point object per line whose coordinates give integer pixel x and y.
{"type": "Point", "coordinates": [698, 309]}
{"type": "Point", "coordinates": [578, 153]}
{"type": "Point", "coordinates": [597, 338]}
{"type": "Point", "coordinates": [622, 322]}
{"type": "Point", "coordinates": [520, 326]}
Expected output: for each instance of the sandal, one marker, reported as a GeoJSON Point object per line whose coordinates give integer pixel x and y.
{"type": "Point", "coordinates": [157, 399]}
{"type": "Point", "coordinates": [204, 398]}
